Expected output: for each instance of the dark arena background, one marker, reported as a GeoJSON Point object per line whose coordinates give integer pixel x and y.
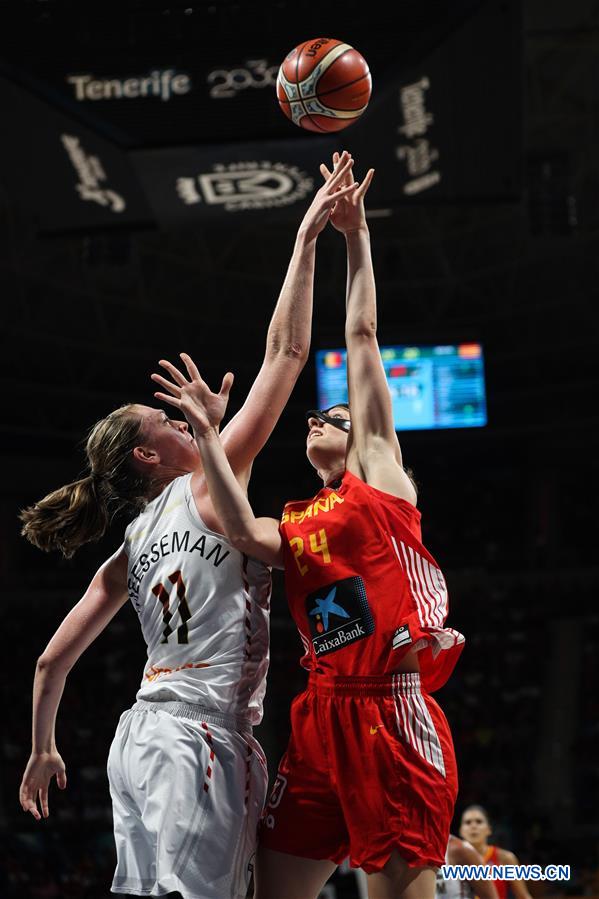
{"type": "Point", "coordinates": [150, 193]}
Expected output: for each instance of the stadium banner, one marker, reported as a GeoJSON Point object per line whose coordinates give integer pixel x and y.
{"type": "Point", "coordinates": [63, 173]}
{"type": "Point", "coordinates": [181, 141]}
{"type": "Point", "coordinates": [188, 185]}
{"type": "Point", "coordinates": [449, 129]}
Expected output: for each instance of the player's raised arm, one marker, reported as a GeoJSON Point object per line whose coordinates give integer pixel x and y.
{"type": "Point", "coordinates": [374, 452]}
{"type": "Point", "coordinates": [204, 410]}
{"type": "Point", "coordinates": [105, 595]}
{"type": "Point", "coordinates": [288, 338]}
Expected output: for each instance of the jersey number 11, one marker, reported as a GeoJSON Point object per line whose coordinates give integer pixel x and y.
{"type": "Point", "coordinates": [163, 596]}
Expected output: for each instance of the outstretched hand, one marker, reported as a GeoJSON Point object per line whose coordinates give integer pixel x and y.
{"type": "Point", "coordinates": [348, 213]}
{"type": "Point", "coordinates": [203, 409]}
{"type": "Point", "coordinates": [338, 185]}
{"type": "Point", "coordinates": [36, 780]}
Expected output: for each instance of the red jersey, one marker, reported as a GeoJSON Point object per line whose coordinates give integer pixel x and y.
{"type": "Point", "coordinates": [362, 589]}
{"type": "Point", "coordinates": [491, 857]}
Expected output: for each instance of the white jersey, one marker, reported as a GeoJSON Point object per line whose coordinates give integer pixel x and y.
{"type": "Point", "coordinates": [203, 608]}
{"type": "Point", "coordinates": [452, 889]}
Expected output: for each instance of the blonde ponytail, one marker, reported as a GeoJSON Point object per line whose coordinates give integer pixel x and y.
{"type": "Point", "coordinates": [81, 511]}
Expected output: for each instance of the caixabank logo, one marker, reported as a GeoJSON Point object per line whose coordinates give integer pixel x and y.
{"type": "Point", "coordinates": [338, 615]}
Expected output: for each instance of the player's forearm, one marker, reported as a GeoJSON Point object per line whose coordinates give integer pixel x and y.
{"type": "Point", "coordinates": [229, 500]}
{"type": "Point", "coordinates": [48, 687]}
{"type": "Point", "coordinates": [360, 313]}
{"type": "Point", "coordinates": [291, 324]}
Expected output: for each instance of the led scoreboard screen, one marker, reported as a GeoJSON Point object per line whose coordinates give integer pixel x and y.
{"type": "Point", "coordinates": [431, 386]}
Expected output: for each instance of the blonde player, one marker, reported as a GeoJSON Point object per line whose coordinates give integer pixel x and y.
{"type": "Point", "coordinates": [187, 779]}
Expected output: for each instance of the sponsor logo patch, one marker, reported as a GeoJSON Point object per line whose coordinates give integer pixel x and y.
{"type": "Point", "coordinates": [274, 801]}
{"type": "Point", "coordinates": [401, 636]}
{"type": "Point", "coordinates": [277, 791]}
{"type": "Point", "coordinates": [338, 614]}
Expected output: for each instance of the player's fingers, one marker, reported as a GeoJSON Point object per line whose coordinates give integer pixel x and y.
{"type": "Point", "coordinates": [345, 191]}
{"type": "Point", "coordinates": [29, 805]}
{"type": "Point", "coordinates": [191, 367]}
{"type": "Point", "coordinates": [332, 199]}
{"type": "Point", "coordinates": [361, 191]}
{"type": "Point", "coordinates": [27, 800]}
{"type": "Point", "coordinates": [340, 159]}
{"type": "Point", "coordinates": [336, 159]}
{"type": "Point", "coordinates": [165, 398]}
{"type": "Point", "coordinates": [345, 162]}
{"type": "Point", "coordinates": [174, 372]}
{"type": "Point", "coordinates": [172, 388]}
{"type": "Point", "coordinates": [325, 172]}
{"type": "Point", "coordinates": [342, 168]}
{"type": "Point", "coordinates": [225, 387]}
{"type": "Point", "coordinates": [61, 779]}
{"type": "Point", "coordinates": [44, 801]}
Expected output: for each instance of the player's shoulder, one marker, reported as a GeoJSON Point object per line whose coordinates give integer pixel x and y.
{"type": "Point", "coordinates": [396, 509]}
{"type": "Point", "coordinates": [170, 498]}
{"type": "Point", "coordinates": [353, 480]}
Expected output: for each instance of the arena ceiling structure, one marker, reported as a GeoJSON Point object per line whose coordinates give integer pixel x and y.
{"type": "Point", "coordinates": [151, 189]}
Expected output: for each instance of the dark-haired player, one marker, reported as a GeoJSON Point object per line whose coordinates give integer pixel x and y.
{"type": "Point", "coordinates": [370, 770]}
{"type": "Point", "coordinates": [476, 828]}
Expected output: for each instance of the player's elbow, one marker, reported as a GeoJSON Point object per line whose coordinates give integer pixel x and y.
{"type": "Point", "coordinates": [362, 329]}
{"type": "Point", "coordinates": [52, 664]}
{"type": "Point", "coordinates": [240, 537]}
{"type": "Point", "coordinates": [281, 347]}
{"type": "Point", "coordinates": [247, 540]}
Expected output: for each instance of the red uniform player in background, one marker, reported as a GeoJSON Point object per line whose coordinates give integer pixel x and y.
{"type": "Point", "coordinates": [476, 828]}
{"type": "Point", "coordinates": [370, 769]}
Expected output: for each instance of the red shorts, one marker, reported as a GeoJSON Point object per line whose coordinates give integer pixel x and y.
{"type": "Point", "coordinates": [369, 768]}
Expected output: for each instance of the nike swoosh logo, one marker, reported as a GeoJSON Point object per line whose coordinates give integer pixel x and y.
{"type": "Point", "coordinates": [373, 730]}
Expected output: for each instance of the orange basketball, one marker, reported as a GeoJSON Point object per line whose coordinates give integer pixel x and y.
{"type": "Point", "coordinates": [324, 85]}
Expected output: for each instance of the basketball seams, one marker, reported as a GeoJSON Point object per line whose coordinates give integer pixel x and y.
{"type": "Point", "coordinates": [325, 69]}
{"type": "Point", "coordinates": [309, 109]}
{"type": "Point", "coordinates": [331, 63]}
{"type": "Point", "coordinates": [328, 68]}
{"type": "Point", "coordinates": [299, 90]}
{"type": "Point", "coordinates": [334, 90]}
{"type": "Point", "coordinates": [320, 94]}
{"type": "Point", "coordinates": [342, 87]}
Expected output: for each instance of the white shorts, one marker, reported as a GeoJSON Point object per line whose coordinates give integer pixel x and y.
{"type": "Point", "coordinates": [187, 791]}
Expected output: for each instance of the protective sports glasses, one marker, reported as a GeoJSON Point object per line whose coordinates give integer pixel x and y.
{"type": "Point", "coordinates": [344, 424]}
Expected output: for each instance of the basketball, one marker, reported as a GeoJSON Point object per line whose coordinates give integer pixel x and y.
{"type": "Point", "coordinates": [323, 85]}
